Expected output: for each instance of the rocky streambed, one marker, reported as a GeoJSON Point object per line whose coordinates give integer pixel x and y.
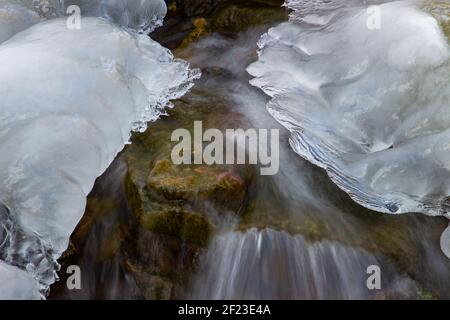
{"type": "Point", "coordinates": [155, 230]}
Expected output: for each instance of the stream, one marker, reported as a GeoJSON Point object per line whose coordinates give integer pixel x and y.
{"type": "Point", "coordinates": [305, 238]}
{"type": "Point", "coordinates": [87, 170]}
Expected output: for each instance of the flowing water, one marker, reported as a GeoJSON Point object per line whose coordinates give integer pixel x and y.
{"type": "Point", "coordinates": [299, 236]}
{"type": "Point", "coordinates": [306, 239]}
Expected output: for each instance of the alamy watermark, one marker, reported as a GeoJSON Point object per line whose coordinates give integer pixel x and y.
{"type": "Point", "coordinates": [235, 146]}
{"type": "Point", "coordinates": [73, 281]}
{"type": "Point", "coordinates": [374, 17]}
{"type": "Point", "coordinates": [374, 280]}
{"type": "Point", "coordinates": [73, 22]}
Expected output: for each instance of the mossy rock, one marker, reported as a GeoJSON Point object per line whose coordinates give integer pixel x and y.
{"type": "Point", "coordinates": [312, 228]}
{"type": "Point", "coordinates": [96, 209]}
{"type": "Point", "coordinates": [201, 29]}
{"type": "Point", "coordinates": [231, 17]}
{"type": "Point", "coordinates": [171, 221]}
{"type": "Point", "coordinates": [154, 183]}
{"type": "Point", "coordinates": [151, 286]}
{"type": "Point", "coordinates": [113, 242]}
{"type": "Point", "coordinates": [390, 235]}
{"type": "Point", "coordinates": [191, 183]}
{"type": "Point", "coordinates": [164, 251]}
{"type": "Point", "coordinates": [190, 228]}
{"type": "Point", "coordinates": [237, 18]}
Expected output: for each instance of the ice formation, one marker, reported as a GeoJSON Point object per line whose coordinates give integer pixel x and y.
{"type": "Point", "coordinates": [143, 16]}
{"type": "Point", "coordinates": [70, 99]}
{"type": "Point", "coordinates": [134, 14]}
{"type": "Point", "coordinates": [15, 17]}
{"type": "Point", "coordinates": [363, 88]}
{"type": "Point", "coordinates": [17, 284]}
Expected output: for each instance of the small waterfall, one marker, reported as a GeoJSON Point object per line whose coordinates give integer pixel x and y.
{"type": "Point", "coordinates": [271, 264]}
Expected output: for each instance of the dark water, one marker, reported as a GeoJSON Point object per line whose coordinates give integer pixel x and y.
{"type": "Point", "coordinates": [102, 278]}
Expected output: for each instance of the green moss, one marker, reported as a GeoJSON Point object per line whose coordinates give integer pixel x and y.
{"type": "Point", "coordinates": [196, 230]}
{"type": "Point", "coordinates": [234, 17]}
{"type": "Point", "coordinates": [427, 295]}
{"type": "Point", "coordinates": [379, 233]}
{"type": "Point", "coordinates": [111, 245]}
{"type": "Point", "coordinates": [189, 227]}
{"type": "Point", "coordinates": [237, 18]}
{"type": "Point", "coordinates": [134, 195]}
{"type": "Point", "coordinates": [312, 229]}
{"type": "Point", "coordinates": [216, 183]}
{"type": "Point", "coordinates": [201, 29]}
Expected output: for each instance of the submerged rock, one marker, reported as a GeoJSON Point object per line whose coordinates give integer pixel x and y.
{"type": "Point", "coordinates": [176, 207]}
{"type": "Point", "coordinates": [235, 18]}
{"type": "Point", "coordinates": [188, 21]}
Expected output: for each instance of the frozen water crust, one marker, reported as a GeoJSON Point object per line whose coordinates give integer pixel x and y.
{"type": "Point", "coordinates": [69, 100]}
{"type": "Point", "coordinates": [143, 16]}
{"type": "Point", "coordinates": [370, 106]}
{"type": "Point", "coordinates": [367, 100]}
